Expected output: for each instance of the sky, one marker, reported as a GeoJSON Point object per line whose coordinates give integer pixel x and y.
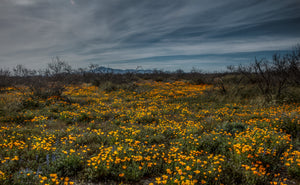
{"type": "Point", "coordinates": [167, 34]}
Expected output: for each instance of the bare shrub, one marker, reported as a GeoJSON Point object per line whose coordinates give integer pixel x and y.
{"type": "Point", "coordinates": [274, 78]}
{"type": "Point", "coordinates": [5, 78]}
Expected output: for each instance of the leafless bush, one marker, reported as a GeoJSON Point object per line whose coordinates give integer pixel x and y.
{"type": "Point", "coordinates": [58, 66]}
{"type": "Point", "coordinates": [22, 71]}
{"type": "Point", "coordinates": [43, 83]}
{"type": "Point", "coordinates": [274, 78]}
{"type": "Point", "coordinates": [4, 77]}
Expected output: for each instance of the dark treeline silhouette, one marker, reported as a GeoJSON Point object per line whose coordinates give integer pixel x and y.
{"type": "Point", "coordinates": [276, 80]}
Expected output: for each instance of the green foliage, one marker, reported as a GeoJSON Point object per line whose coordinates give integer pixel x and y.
{"type": "Point", "coordinates": [68, 166]}
{"type": "Point", "coordinates": [233, 127]}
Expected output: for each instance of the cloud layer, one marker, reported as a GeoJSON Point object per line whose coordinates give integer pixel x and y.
{"type": "Point", "coordinates": [167, 34]}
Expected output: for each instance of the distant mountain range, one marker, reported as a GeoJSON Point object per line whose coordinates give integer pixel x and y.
{"type": "Point", "coordinates": [119, 71]}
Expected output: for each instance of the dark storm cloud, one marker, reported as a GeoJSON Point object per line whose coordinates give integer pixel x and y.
{"type": "Point", "coordinates": [154, 34]}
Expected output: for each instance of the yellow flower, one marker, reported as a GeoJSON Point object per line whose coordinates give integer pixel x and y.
{"type": "Point", "coordinates": [197, 171]}
{"type": "Point", "coordinates": [164, 177]}
{"type": "Point", "coordinates": [44, 178]}
{"type": "Point", "coordinates": [188, 168]}
{"type": "Point", "coordinates": [169, 171]}
{"type": "Point", "coordinates": [53, 175]}
{"type": "Point", "coordinates": [179, 171]}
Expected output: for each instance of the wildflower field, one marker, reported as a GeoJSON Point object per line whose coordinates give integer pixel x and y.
{"type": "Point", "coordinates": [146, 133]}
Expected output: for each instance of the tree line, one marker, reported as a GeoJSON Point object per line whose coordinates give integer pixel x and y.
{"type": "Point", "coordinates": [277, 79]}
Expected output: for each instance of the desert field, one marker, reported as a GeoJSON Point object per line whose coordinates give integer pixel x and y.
{"type": "Point", "coordinates": [147, 132]}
